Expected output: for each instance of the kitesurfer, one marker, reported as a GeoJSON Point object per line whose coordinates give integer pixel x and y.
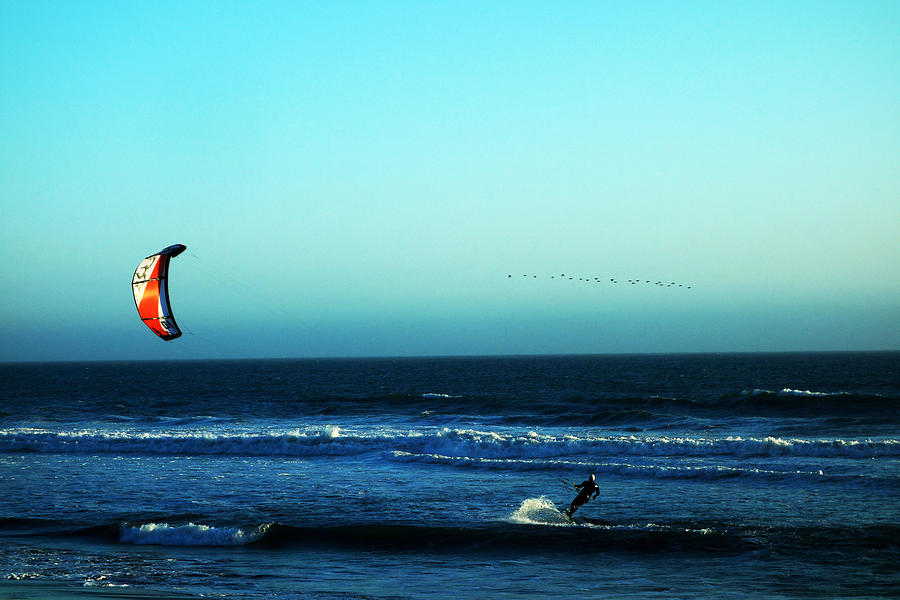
{"type": "Point", "coordinates": [585, 489]}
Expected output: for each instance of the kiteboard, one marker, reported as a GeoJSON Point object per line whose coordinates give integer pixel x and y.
{"type": "Point", "coordinates": [584, 520]}
{"type": "Point", "coordinates": [591, 521]}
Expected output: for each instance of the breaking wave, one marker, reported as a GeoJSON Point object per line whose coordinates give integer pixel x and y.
{"type": "Point", "coordinates": [495, 444]}
{"type": "Point", "coordinates": [190, 534]}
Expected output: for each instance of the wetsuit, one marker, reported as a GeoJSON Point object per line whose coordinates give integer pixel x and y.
{"type": "Point", "coordinates": [587, 487]}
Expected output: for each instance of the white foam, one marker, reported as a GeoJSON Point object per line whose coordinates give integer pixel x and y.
{"type": "Point", "coordinates": [790, 392]}
{"type": "Point", "coordinates": [103, 581]}
{"type": "Point", "coordinates": [481, 444]}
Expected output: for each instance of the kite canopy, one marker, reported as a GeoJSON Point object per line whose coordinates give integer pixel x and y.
{"type": "Point", "coordinates": [151, 292]}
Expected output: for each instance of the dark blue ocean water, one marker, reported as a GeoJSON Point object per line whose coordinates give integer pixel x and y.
{"type": "Point", "coordinates": [726, 476]}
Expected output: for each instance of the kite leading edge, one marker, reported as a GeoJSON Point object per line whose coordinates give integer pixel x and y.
{"type": "Point", "coordinates": [151, 292]}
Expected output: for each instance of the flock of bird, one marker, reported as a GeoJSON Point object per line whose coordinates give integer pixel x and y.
{"type": "Point", "coordinates": [614, 281]}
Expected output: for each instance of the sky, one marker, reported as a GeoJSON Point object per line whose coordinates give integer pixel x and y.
{"type": "Point", "coordinates": [361, 178]}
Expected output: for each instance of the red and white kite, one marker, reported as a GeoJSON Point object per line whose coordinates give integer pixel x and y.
{"type": "Point", "coordinates": [151, 292]}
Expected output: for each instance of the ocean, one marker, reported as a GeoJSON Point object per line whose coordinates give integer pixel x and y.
{"type": "Point", "coordinates": [720, 476]}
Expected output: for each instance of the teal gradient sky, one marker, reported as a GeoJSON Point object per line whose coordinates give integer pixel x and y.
{"type": "Point", "coordinates": [357, 179]}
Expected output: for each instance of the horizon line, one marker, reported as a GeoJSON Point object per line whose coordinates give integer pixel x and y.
{"type": "Point", "coordinates": [446, 356]}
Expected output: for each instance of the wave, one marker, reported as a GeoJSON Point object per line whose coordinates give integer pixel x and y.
{"type": "Point", "coordinates": [535, 526]}
{"type": "Point", "coordinates": [653, 471]}
{"type": "Point", "coordinates": [617, 409]}
{"type": "Point", "coordinates": [803, 403]}
{"type": "Point", "coordinates": [480, 444]}
{"type": "Point", "coordinates": [662, 411]}
{"type": "Point", "coordinates": [499, 404]}
{"type": "Point", "coordinates": [190, 534]}
{"type": "Point", "coordinates": [516, 533]}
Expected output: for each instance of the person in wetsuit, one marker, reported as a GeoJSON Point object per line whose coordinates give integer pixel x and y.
{"type": "Point", "coordinates": [585, 489]}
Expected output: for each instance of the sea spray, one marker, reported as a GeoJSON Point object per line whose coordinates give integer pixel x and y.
{"type": "Point", "coordinates": [539, 511]}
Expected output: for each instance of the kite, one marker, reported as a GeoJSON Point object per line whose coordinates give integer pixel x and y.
{"type": "Point", "coordinates": [151, 292]}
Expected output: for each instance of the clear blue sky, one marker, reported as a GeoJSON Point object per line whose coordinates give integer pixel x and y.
{"type": "Point", "coordinates": [357, 179]}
